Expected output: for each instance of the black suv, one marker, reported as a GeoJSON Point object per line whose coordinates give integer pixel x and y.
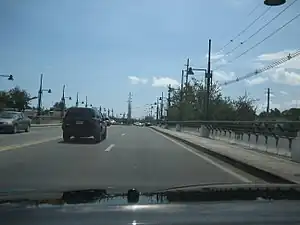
{"type": "Point", "coordinates": [84, 122]}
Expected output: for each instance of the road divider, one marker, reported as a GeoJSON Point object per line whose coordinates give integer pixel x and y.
{"type": "Point", "coordinates": [266, 167]}
{"type": "Point", "coordinates": [19, 146]}
{"type": "Point", "coordinates": [46, 125]}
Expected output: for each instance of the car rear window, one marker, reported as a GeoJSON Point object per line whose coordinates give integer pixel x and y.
{"type": "Point", "coordinates": [80, 113]}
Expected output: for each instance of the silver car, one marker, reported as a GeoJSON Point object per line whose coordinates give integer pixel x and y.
{"type": "Point", "coordinates": [12, 122]}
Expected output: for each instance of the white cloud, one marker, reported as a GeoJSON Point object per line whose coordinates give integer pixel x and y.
{"type": "Point", "coordinates": [217, 59]}
{"type": "Point", "coordinates": [283, 93]}
{"type": "Point", "coordinates": [292, 104]}
{"type": "Point", "coordinates": [221, 75]}
{"type": "Point", "coordinates": [291, 64]}
{"type": "Point", "coordinates": [257, 80]}
{"type": "Point", "coordinates": [282, 76]}
{"type": "Point", "coordinates": [274, 55]}
{"type": "Point", "coordinates": [137, 80]}
{"type": "Point", "coordinates": [286, 73]}
{"type": "Point", "coordinates": [164, 82]}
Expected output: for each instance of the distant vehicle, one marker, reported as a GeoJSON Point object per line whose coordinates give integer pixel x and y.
{"type": "Point", "coordinates": [139, 124]}
{"type": "Point", "coordinates": [113, 122]}
{"type": "Point", "coordinates": [13, 122]}
{"type": "Point", "coordinates": [148, 124]}
{"type": "Point", "coordinates": [108, 121]}
{"type": "Point", "coordinates": [84, 122]}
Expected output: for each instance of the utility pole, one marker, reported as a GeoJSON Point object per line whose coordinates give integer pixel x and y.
{"type": "Point", "coordinates": [77, 99]}
{"type": "Point", "coordinates": [181, 96]}
{"type": "Point", "coordinates": [208, 77]}
{"type": "Point", "coordinates": [100, 109]}
{"type": "Point", "coordinates": [108, 112]}
{"type": "Point", "coordinates": [268, 101]}
{"type": "Point", "coordinates": [112, 113]}
{"type": "Point", "coordinates": [157, 109]}
{"type": "Point", "coordinates": [40, 96]}
{"type": "Point", "coordinates": [129, 108]}
{"type": "Point", "coordinates": [169, 100]}
{"type": "Point", "coordinates": [161, 106]}
{"type": "Point", "coordinates": [63, 102]}
{"type": "Point", "coordinates": [86, 101]}
{"type": "Point", "coordinates": [187, 75]}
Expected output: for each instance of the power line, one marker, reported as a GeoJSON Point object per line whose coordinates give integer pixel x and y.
{"type": "Point", "coordinates": [245, 29]}
{"type": "Point", "coordinates": [260, 29]}
{"type": "Point", "coordinates": [260, 42]}
{"type": "Point", "coordinates": [255, 8]}
{"type": "Point", "coordinates": [258, 71]}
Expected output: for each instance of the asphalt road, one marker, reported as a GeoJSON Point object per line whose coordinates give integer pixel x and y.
{"type": "Point", "coordinates": [131, 157]}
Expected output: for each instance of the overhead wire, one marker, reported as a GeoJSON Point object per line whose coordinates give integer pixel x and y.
{"type": "Point", "coordinates": [245, 29]}
{"type": "Point", "coordinates": [253, 10]}
{"type": "Point", "coordinates": [261, 70]}
{"type": "Point", "coordinates": [263, 40]}
{"type": "Point", "coordinates": [256, 32]}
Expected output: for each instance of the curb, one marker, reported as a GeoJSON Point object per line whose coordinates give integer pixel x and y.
{"type": "Point", "coordinates": [252, 170]}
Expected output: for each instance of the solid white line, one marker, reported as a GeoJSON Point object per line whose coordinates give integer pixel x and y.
{"type": "Point", "coordinates": [227, 170]}
{"type": "Point", "coordinates": [123, 134]}
{"type": "Point", "coordinates": [109, 148]}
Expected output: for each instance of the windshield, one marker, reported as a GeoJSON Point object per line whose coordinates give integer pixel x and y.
{"type": "Point", "coordinates": [151, 95]}
{"type": "Point", "coordinates": [7, 115]}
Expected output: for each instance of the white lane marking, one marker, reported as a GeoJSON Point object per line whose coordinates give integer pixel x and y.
{"type": "Point", "coordinates": [109, 148]}
{"type": "Point", "coordinates": [227, 170]}
{"type": "Point", "coordinates": [123, 134]}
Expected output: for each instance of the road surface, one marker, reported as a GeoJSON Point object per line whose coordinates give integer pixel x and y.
{"type": "Point", "coordinates": [131, 157]}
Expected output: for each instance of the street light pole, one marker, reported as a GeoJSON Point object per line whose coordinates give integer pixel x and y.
{"type": "Point", "coordinates": [161, 106]}
{"type": "Point", "coordinates": [10, 77]}
{"type": "Point", "coordinates": [40, 96]}
{"type": "Point", "coordinates": [39, 107]}
{"type": "Point", "coordinates": [187, 75]}
{"type": "Point", "coordinates": [86, 102]}
{"type": "Point", "coordinates": [63, 102]}
{"type": "Point", "coordinates": [157, 109]}
{"type": "Point", "coordinates": [208, 77]}
{"type": "Point", "coordinates": [77, 100]}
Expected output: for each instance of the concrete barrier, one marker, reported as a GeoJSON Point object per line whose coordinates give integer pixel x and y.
{"type": "Point", "coordinates": [286, 147]}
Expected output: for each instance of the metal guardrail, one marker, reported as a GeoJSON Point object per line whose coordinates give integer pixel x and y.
{"type": "Point", "coordinates": [277, 129]}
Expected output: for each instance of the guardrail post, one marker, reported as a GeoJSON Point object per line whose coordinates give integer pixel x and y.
{"type": "Point", "coordinates": [204, 131]}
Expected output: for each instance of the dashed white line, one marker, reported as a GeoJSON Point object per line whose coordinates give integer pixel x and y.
{"type": "Point", "coordinates": [123, 134]}
{"type": "Point", "coordinates": [227, 170]}
{"type": "Point", "coordinates": [109, 148]}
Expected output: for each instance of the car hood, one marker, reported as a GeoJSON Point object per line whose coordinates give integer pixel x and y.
{"type": "Point", "coordinates": [4, 120]}
{"type": "Point", "coordinates": [191, 193]}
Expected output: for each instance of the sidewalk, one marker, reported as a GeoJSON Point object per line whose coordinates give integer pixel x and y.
{"type": "Point", "coordinates": [277, 166]}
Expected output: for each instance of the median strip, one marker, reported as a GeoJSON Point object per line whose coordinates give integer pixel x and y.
{"type": "Point", "coordinates": [13, 147]}
{"type": "Point", "coordinates": [262, 166]}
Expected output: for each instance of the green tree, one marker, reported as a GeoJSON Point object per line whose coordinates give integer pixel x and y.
{"type": "Point", "coordinates": [193, 105]}
{"type": "Point", "coordinates": [4, 97]}
{"type": "Point", "coordinates": [16, 98]}
{"type": "Point", "coordinates": [57, 106]}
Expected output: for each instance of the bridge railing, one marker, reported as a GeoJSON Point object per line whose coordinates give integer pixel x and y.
{"type": "Point", "coordinates": [278, 137]}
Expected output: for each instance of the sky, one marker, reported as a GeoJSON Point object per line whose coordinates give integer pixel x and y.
{"type": "Point", "coordinates": [104, 49]}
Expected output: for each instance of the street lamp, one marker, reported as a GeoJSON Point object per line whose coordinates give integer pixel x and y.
{"type": "Point", "coordinates": [40, 93]}
{"type": "Point", "coordinates": [274, 2]}
{"type": "Point", "coordinates": [9, 77]}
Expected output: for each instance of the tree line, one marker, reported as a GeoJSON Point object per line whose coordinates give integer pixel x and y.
{"type": "Point", "coordinates": [189, 104]}
{"type": "Point", "coordinates": [20, 99]}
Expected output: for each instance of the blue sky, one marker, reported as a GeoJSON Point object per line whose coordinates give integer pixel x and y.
{"type": "Point", "coordinates": [107, 48]}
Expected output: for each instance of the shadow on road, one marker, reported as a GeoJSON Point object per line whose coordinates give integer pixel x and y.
{"type": "Point", "coordinates": [79, 141]}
